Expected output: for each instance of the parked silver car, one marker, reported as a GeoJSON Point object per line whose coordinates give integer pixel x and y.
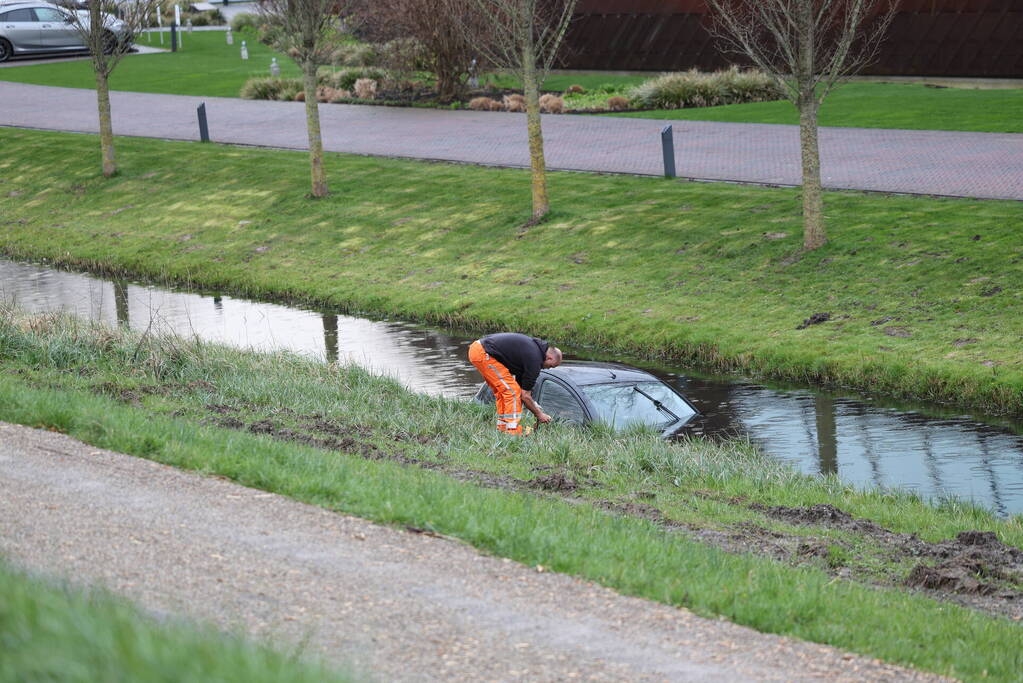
{"type": "Point", "coordinates": [41, 28]}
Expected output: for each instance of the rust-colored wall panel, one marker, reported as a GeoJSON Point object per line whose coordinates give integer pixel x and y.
{"type": "Point", "coordinates": [982, 38]}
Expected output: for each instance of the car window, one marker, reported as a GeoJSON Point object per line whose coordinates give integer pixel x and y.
{"type": "Point", "coordinates": [627, 404]}
{"type": "Point", "coordinates": [558, 402]}
{"type": "Point", "coordinates": [49, 14]}
{"type": "Point", "coordinates": [18, 15]}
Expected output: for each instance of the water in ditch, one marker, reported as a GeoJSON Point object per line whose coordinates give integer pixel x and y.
{"type": "Point", "coordinates": [928, 449]}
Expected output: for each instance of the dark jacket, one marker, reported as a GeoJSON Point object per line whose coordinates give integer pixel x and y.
{"type": "Point", "coordinates": [522, 355]}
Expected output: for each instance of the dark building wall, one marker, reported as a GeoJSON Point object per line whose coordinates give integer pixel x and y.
{"type": "Point", "coordinates": [980, 38]}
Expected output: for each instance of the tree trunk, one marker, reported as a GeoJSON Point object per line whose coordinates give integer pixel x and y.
{"type": "Point", "coordinates": [808, 104]}
{"type": "Point", "coordinates": [813, 200]}
{"type": "Point", "coordinates": [312, 123]}
{"type": "Point", "coordinates": [541, 204]}
{"type": "Point", "coordinates": [106, 128]}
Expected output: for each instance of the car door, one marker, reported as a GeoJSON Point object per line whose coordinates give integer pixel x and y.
{"type": "Point", "coordinates": [20, 27]}
{"type": "Point", "coordinates": [560, 402]}
{"type": "Point", "coordinates": [56, 32]}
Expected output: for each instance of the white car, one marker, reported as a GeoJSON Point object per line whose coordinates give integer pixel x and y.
{"type": "Point", "coordinates": [40, 28]}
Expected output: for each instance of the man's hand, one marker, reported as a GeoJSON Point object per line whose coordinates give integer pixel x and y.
{"type": "Point", "coordinates": [543, 417]}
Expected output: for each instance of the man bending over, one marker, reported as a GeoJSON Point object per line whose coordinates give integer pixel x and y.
{"type": "Point", "coordinates": [510, 363]}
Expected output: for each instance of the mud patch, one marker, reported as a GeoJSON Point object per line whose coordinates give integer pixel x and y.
{"type": "Point", "coordinates": [815, 319]}
{"type": "Point", "coordinates": [556, 482]}
{"type": "Point", "coordinates": [974, 569]}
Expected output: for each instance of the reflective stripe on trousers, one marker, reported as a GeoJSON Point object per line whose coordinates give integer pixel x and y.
{"type": "Point", "coordinates": [506, 390]}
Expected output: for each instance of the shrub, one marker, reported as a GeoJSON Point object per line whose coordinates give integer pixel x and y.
{"type": "Point", "coordinates": [345, 78]}
{"type": "Point", "coordinates": [356, 54]}
{"type": "Point", "coordinates": [484, 104]}
{"type": "Point", "coordinates": [575, 90]}
{"type": "Point", "coordinates": [245, 20]}
{"type": "Point", "coordinates": [552, 104]}
{"type": "Point", "coordinates": [618, 103]}
{"type": "Point", "coordinates": [270, 88]}
{"type": "Point", "coordinates": [341, 96]}
{"type": "Point", "coordinates": [696, 89]}
{"type": "Point", "coordinates": [299, 96]}
{"type": "Point", "coordinates": [515, 102]}
{"type": "Point", "coordinates": [365, 88]}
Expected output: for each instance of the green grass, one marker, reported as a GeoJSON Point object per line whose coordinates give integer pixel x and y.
{"type": "Point", "coordinates": [52, 632]}
{"type": "Point", "coordinates": [205, 65]}
{"type": "Point", "coordinates": [880, 105]}
{"type": "Point", "coordinates": [59, 374]}
{"type": "Point", "coordinates": [694, 272]}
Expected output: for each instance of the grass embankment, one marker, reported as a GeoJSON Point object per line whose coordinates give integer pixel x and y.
{"type": "Point", "coordinates": [172, 401]}
{"type": "Point", "coordinates": [879, 105]}
{"type": "Point", "coordinates": [923, 293]}
{"type": "Point", "coordinates": [51, 632]}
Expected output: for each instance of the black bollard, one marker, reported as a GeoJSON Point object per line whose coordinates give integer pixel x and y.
{"type": "Point", "coordinates": [204, 129]}
{"type": "Point", "coordinates": [668, 147]}
{"type": "Point", "coordinates": [174, 37]}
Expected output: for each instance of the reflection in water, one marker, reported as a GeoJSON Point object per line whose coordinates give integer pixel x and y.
{"type": "Point", "coordinates": [827, 440]}
{"type": "Point", "coordinates": [868, 443]}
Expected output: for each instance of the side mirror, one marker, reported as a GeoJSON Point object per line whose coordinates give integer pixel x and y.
{"type": "Point", "coordinates": [68, 19]}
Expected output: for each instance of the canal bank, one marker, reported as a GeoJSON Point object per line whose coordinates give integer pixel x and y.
{"type": "Point", "coordinates": [930, 450]}
{"type": "Point", "coordinates": [714, 527]}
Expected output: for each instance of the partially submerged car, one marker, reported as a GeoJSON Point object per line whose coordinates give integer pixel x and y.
{"type": "Point", "coordinates": [581, 392]}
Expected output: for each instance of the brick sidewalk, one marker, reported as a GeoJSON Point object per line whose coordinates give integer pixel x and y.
{"type": "Point", "coordinates": [981, 165]}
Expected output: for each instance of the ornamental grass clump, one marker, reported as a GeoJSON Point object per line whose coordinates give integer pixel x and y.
{"type": "Point", "coordinates": [698, 89]}
{"type": "Point", "coordinates": [245, 20]}
{"type": "Point", "coordinates": [484, 104]}
{"type": "Point", "coordinates": [345, 78]}
{"type": "Point", "coordinates": [271, 88]}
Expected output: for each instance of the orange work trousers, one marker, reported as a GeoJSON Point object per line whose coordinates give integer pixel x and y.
{"type": "Point", "coordinates": [502, 383]}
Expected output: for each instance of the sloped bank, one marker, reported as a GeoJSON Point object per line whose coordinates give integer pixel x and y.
{"type": "Point", "coordinates": [712, 527]}
{"type": "Point", "coordinates": [913, 297]}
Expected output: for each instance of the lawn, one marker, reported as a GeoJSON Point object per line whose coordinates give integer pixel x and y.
{"type": "Point", "coordinates": [880, 105]}
{"type": "Point", "coordinates": [205, 65]}
{"type": "Point", "coordinates": [640, 515]}
{"type": "Point", "coordinates": [54, 632]}
{"type": "Point", "coordinates": [923, 293]}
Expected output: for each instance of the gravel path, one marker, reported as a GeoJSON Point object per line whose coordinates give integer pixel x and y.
{"type": "Point", "coordinates": [982, 165]}
{"type": "Point", "coordinates": [396, 605]}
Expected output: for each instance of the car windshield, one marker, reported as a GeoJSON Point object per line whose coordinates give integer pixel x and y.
{"type": "Point", "coordinates": [646, 403]}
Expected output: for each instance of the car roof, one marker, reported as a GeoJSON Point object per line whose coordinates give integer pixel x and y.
{"type": "Point", "coordinates": [13, 4]}
{"type": "Point", "coordinates": [593, 372]}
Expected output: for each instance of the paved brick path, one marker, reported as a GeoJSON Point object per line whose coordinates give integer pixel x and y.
{"type": "Point", "coordinates": [983, 165]}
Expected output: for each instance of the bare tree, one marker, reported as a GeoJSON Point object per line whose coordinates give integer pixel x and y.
{"type": "Point", "coordinates": [449, 32]}
{"type": "Point", "coordinates": [307, 31]}
{"type": "Point", "coordinates": [809, 47]}
{"type": "Point", "coordinates": [524, 37]}
{"type": "Point", "coordinates": [108, 39]}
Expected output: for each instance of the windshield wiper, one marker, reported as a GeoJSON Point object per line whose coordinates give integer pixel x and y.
{"type": "Point", "coordinates": [657, 404]}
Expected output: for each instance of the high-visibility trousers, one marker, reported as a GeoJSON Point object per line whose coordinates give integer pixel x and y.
{"type": "Point", "coordinates": [502, 383]}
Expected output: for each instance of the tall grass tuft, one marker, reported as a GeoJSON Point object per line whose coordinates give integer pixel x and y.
{"type": "Point", "coordinates": [694, 88]}
{"type": "Point", "coordinates": [53, 632]}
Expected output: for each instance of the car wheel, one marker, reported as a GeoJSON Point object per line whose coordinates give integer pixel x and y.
{"type": "Point", "coordinates": [6, 50]}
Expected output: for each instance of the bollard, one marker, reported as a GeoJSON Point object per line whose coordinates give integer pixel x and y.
{"type": "Point", "coordinates": [230, 36]}
{"type": "Point", "coordinates": [668, 147]}
{"type": "Point", "coordinates": [204, 129]}
{"type": "Point", "coordinates": [174, 37]}
{"type": "Point", "coordinates": [275, 68]}
{"type": "Point", "coordinates": [245, 51]}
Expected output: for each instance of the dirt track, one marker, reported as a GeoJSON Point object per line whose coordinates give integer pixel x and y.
{"type": "Point", "coordinates": [396, 605]}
